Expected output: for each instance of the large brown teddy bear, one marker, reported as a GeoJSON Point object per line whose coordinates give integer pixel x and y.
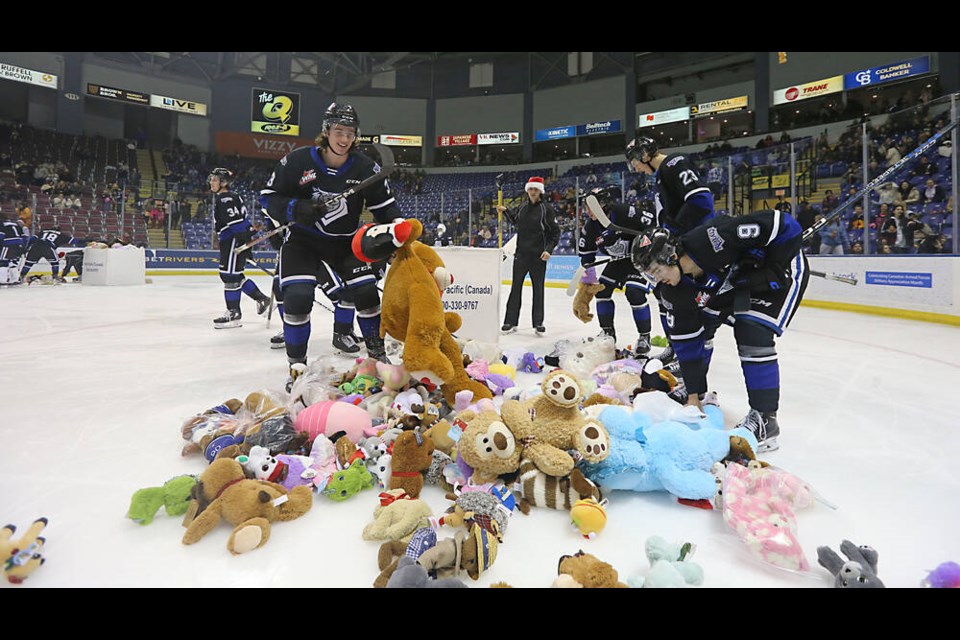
{"type": "Point", "coordinates": [224, 493]}
{"type": "Point", "coordinates": [552, 423]}
{"type": "Point", "coordinates": [488, 445]}
{"type": "Point", "coordinates": [412, 312]}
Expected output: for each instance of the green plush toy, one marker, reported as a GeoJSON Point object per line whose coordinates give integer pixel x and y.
{"type": "Point", "coordinates": [173, 496]}
{"type": "Point", "coordinates": [349, 482]}
{"type": "Point", "coordinates": [670, 565]}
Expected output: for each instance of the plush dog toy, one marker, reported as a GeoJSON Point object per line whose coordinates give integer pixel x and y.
{"type": "Point", "coordinates": [397, 517]}
{"type": "Point", "coordinates": [859, 572]}
{"type": "Point", "coordinates": [585, 570]}
{"type": "Point", "coordinates": [224, 493]}
{"type": "Point", "coordinates": [21, 557]}
{"type": "Point", "coordinates": [412, 312]}
{"type": "Point", "coordinates": [412, 457]}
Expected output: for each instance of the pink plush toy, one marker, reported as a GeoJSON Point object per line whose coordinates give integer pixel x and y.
{"type": "Point", "coordinates": [758, 504]}
{"type": "Point", "coordinates": [330, 416]}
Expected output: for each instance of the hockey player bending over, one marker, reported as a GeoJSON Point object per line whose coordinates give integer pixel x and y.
{"type": "Point", "coordinates": [230, 218]}
{"type": "Point", "coordinates": [747, 271]}
{"type": "Point", "coordinates": [295, 193]}
{"type": "Point", "coordinates": [620, 273]}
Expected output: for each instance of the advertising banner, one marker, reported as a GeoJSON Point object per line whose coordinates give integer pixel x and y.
{"type": "Point", "coordinates": [720, 106]}
{"type": "Point", "coordinates": [176, 104]}
{"type": "Point", "coordinates": [555, 134]}
{"type": "Point", "coordinates": [121, 95]}
{"type": "Point", "coordinates": [276, 112]}
{"type": "Point", "coordinates": [887, 73]}
{"type": "Point", "coordinates": [457, 140]}
{"type": "Point", "coordinates": [809, 90]}
{"type": "Point", "coordinates": [663, 117]}
{"type": "Point", "coordinates": [475, 292]}
{"type": "Point", "coordinates": [510, 137]}
{"type": "Point", "coordinates": [19, 74]}
{"type": "Point", "coordinates": [594, 128]}
{"type": "Point", "coordinates": [254, 145]}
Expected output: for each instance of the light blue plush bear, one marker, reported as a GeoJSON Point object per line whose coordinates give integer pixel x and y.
{"type": "Point", "coordinates": [663, 456]}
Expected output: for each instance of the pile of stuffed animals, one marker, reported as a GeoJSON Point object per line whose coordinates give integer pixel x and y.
{"type": "Point", "coordinates": [452, 414]}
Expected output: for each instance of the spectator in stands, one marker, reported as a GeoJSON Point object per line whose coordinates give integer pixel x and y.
{"type": "Point", "coordinates": [932, 192]}
{"type": "Point", "coordinates": [893, 155]}
{"type": "Point", "coordinates": [909, 194]}
{"type": "Point", "coordinates": [806, 215]}
{"type": "Point", "coordinates": [916, 231]}
{"type": "Point", "coordinates": [856, 218]}
{"type": "Point", "coordinates": [894, 231]}
{"type": "Point", "coordinates": [26, 214]}
{"type": "Point", "coordinates": [924, 167]}
{"type": "Point", "coordinates": [856, 248]}
{"type": "Point", "coordinates": [829, 202]}
{"type": "Point", "coordinates": [934, 243]}
{"type": "Point", "coordinates": [888, 193]}
{"type": "Point", "coordinates": [833, 238]}
{"type": "Point", "coordinates": [813, 244]}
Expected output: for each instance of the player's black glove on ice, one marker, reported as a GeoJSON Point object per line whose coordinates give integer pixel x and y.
{"type": "Point", "coordinates": [308, 212]}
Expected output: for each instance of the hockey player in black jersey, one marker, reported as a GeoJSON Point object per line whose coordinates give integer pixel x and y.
{"type": "Point", "coordinates": [747, 271]}
{"type": "Point", "coordinates": [620, 273]}
{"type": "Point", "coordinates": [682, 200]}
{"type": "Point", "coordinates": [295, 193]}
{"type": "Point", "coordinates": [233, 228]}
{"type": "Point", "coordinates": [43, 246]}
{"type": "Point", "coordinates": [11, 249]}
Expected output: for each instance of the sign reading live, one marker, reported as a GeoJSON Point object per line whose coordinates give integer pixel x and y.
{"type": "Point", "coordinates": [257, 145]}
{"type": "Point", "coordinates": [275, 112]}
{"type": "Point", "coordinates": [176, 104]}
{"type": "Point", "coordinates": [456, 141]}
{"type": "Point", "coordinates": [19, 74]}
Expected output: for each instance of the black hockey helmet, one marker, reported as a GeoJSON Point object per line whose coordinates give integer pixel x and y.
{"type": "Point", "coordinates": [640, 145]}
{"type": "Point", "coordinates": [659, 245]}
{"type": "Point", "coordinates": [223, 175]}
{"type": "Point", "coordinates": [606, 195]}
{"type": "Point", "coordinates": [343, 114]}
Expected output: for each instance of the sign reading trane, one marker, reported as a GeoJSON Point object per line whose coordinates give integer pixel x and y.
{"type": "Point", "coordinates": [19, 74]}
{"type": "Point", "coordinates": [809, 90]}
{"type": "Point", "coordinates": [176, 104]}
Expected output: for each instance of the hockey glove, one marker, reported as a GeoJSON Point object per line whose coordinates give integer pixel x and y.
{"type": "Point", "coordinates": [589, 276]}
{"type": "Point", "coordinates": [307, 212]}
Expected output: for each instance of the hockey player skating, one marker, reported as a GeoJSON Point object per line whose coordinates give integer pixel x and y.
{"type": "Point", "coordinates": [233, 228]}
{"type": "Point", "coordinates": [295, 193]}
{"type": "Point", "coordinates": [43, 246]}
{"type": "Point", "coordinates": [747, 271]}
{"type": "Point", "coordinates": [619, 273]}
{"type": "Point", "coordinates": [681, 199]}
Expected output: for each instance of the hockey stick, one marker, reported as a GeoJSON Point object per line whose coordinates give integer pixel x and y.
{"type": "Point", "coordinates": [575, 280]}
{"type": "Point", "coordinates": [386, 156]}
{"type": "Point", "coordinates": [870, 186]}
{"type": "Point", "coordinates": [594, 205]}
{"type": "Point", "coordinates": [833, 276]}
{"type": "Point", "coordinates": [499, 180]}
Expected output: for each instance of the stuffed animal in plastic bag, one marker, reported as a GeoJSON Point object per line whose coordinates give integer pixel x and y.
{"type": "Point", "coordinates": [858, 572]}
{"type": "Point", "coordinates": [581, 357]}
{"type": "Point", "coordinates": [670, 565]}
{"type": "Point", "coordinates": [759, 504]}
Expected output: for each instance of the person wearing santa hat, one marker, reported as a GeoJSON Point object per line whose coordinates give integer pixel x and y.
{"type": "Point", "coordinates": [537, 237]}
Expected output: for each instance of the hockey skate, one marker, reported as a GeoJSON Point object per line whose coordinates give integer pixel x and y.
{"type": "Point", "coordinates": [278, 341]}
{"type": "Point", "coordinates": [346, 344]}
{"type": "Point", "coordinates": [376, 349]}
{"type": "Point", "coordinates": [508, 328]}
{"type": "Point", "coordinates": [667, 356]}
{"type": "Point", "coordinates": [297, 369]}
{"type": "Point", "coordinates": [765, 427]}
{"type": "Point", "coordinates": [642, 348]}
{"type": "Point", "coordinates": [229, 320]}
{"type": "Point", "coordinates": [263, 304]}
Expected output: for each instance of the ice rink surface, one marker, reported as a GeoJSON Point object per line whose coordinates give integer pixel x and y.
{"type": "Point", "coordinates": [97, 381]}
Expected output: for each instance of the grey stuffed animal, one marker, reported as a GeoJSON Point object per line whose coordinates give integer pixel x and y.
{"type": "Point", "coordinates": [410, 575]}
{"type": "Point", "coordinates": [859, 572]}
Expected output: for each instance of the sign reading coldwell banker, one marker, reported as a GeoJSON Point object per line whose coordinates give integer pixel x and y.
{"type": "Point", "coordinates": [887, 73]}
{"type": "Point", "coordinates": [276, 112]}
{"type": "Point", "coordinates": [20, 74]}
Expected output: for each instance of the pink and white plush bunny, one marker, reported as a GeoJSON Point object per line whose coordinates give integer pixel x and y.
{"type": "Point", "coordinates": [759, 505]}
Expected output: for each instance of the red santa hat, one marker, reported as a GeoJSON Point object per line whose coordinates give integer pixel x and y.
{"type": "Point", "coordinates": [535, 182]}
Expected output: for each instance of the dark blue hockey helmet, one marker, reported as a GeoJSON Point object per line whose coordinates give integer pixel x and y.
{"type": "Point", "coordinates": [225, 176]}
{"type": "Point", "coordinates": [640, 145]}
{"type": "Point", "coordinates": [657, 246]}
{"type": "Point", "coordinates": [606, 195]}
{"type": "Point", "coordinates": [343, 114]}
